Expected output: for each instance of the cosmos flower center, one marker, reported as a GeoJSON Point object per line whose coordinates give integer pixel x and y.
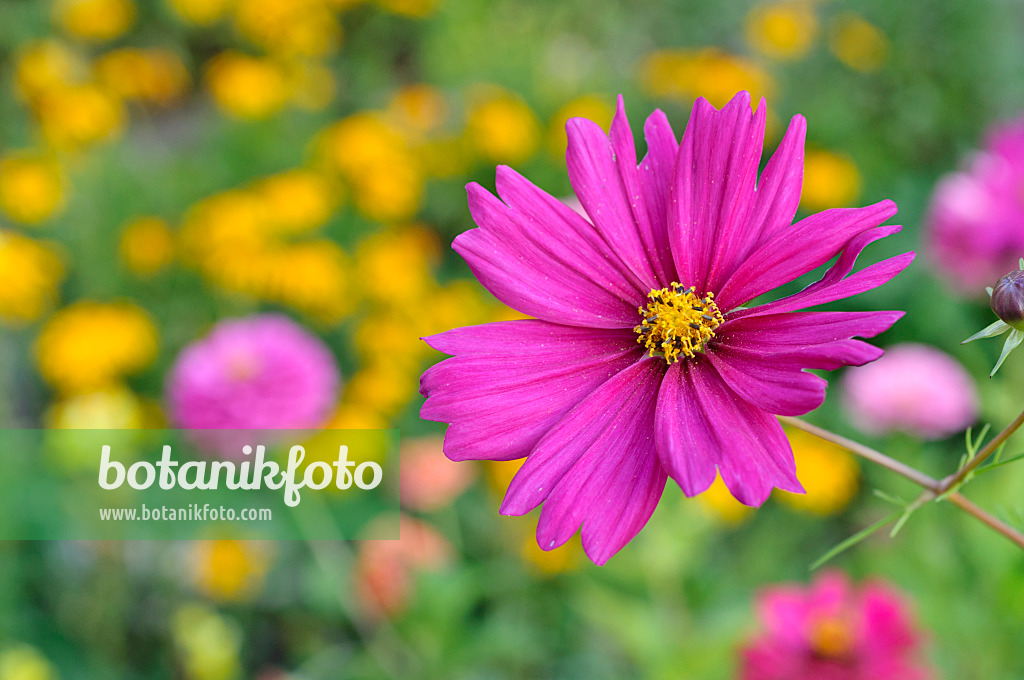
{"type": "Point", "coordinates": [831, 638]}
{"type": "Point", "coordinates": [677, 323]}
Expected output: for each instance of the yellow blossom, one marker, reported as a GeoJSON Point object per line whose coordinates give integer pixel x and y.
{"type": "Point", "coordinates": [207, 643]}
{"type": "Point", "coordinates": [415, 9]}
{"type": "Point", "coordinates": [229, 571]}
{"type": "Point", "coordinates": [311, 83]}
{"type": "Point", "coordinates": [351, 416]}
{"type": "Point", "coordinates": [31, 187]}
{"type": "Point", "coordinates": [419, 108]}
{"type": "Point", "coordinates": [114, 407]}
{"type": "Point", "coordinates": [224, 224]}
{"type": "Point", "coordinates": [830, 181]}
{"type": "Point", "coordinates": [23, 662]}
{"type": "Point", "coordinates": [79, 115]}
{"type": "Point", "coordinates": [389, 194]}
{"type": "Point", "coordinates": [382, 386]}
{"type": "Point", "coordinates": [147, 245]}
{"type": "Point", "coordinates": [499, 474]}
{"type": "Point", "coordinates": [783, 30]}
{"type": "Point", "coordinates": [387, 337]}
{"type": "Point", "coordinates": [95, 20]}
{"type": "Point", "coordinates": [445, 156]}
{"type": "Point", "coordinates": [710, 73]}
{"type": "Point", "coordinates": [720, 503]}
{"type": "Point", "coordinates": [460, 303]}
{"type": "Point", "coordinates": [297, 200]}
{"type": "Point", "coordinates": [828, 472]}
{"type": "Point", "coordinates": [46, 64]}
{"type": "Point", "coordinates": [289, 27]}
{"type": "Point", "coordinates": [88, 344]}
{"type": "Point", "coordinates": [501, 127]}
{"type": "Point", "coordinates": [152, 75]}
{"type": "Point", "coordinates": [30, 274]}
{"type": "Point", "coordinates": [566, 557]}
{"type": "Point", "coordinates": [858, 43]}
{"type": "Point", "coordinates": [394, 266]}
{"type": "Point", "coordinates": [247, 87]}
{"type": "Point", "coordinates": [591, 106]}
{"type": "Point", "coordinates": [201, 12]}
{"type": "Point", "coordinates": [312, 276]}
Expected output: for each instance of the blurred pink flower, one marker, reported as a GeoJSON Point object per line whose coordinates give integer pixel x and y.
{"type": "Point", "coordinates": [259, 372]}
{"type": "Point", "coordinates": [975, 225]}
{"type": "Point", "coordinates": [831, 631]}
{"type": "Point", "coordinates": [385, 571]}
{"type": "Point", "coordinates": [913, 388]}
{"type": "Point", "coordinates": [427, 479]}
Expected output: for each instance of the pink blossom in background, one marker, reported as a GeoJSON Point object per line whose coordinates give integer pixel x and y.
{"type": "Point", "coordinates": [975, 225]}
{"type": "Point", "coordinates": [258, 372]}
{"type": "Point", "coordinates": [913, 388]}
{"type": "Point", "coordinates": [831, 630]}
{"type": "Point", "coordinates": [384, 576]}
{"type": "Point", "coordinates": [427, 479]}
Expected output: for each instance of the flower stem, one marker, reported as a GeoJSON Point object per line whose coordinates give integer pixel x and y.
{"type": "Point", "coordinates": [933, 488]}
{"type": "Point", "coordinates": [953, 480]}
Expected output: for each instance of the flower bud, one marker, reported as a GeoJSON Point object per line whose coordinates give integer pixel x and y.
{"type": "Point", "coordinates": [1008, 299]}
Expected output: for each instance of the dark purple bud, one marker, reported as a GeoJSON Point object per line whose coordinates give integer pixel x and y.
{"type": "Point", "coordinates": [1008, 299]}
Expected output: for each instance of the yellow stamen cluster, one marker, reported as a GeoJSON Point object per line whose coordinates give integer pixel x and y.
{"type": "Point", "coordinates": [832, 638]}
{"type": "Point", "coordinates": [677, 323]}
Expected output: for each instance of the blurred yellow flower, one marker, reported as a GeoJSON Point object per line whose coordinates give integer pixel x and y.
{"type": "Point", "coordinates": [419, 108]}
{"type": "Point", "coordinates": [289, 27]}
{"type": "Point", "coordinates": [411, 8]}
{"type": "Point", "coordinates": [375, 159]}
{"type": "Point", "coordinates": [382, 386]}
{"type": "Point", "coordinates": [566, 557]}
{"type": "Point", "coordinates": [311, 83]}
{"type": "Point", "coordinates": [499, 474]}
{"type": "Point", "coordinates": [152, 75]}
{"type": "Point", "coordinates": [387, 337]}
{"type": "Point", "coordinates": [857, 43]}
{"type": "Point", "coordinates": [207, 643]}
{"type": "Point", "coordinates": [312, 276]}
{"type": "Point", "coordinates": [783, 30]}
{"type": "Point", "coordinates": [830, 181]}
{"type": "Point", "coordinates": [709, 73]}
{"type": "Point", "coordinates": [45, 64]}
{"type": "Point", "coordinates": [229, 571]}
{"type": "Point", "coordinates": [460, 303]}
{"type": "Point", "coordinates": [201, 12]}
{"type": "Point", "coordinates": [501, 127]}
{"type": "Point", "coordinates": [114, 407]}
{"type": "Point", "coordinates": [23, 662]}
{"type": "Point", "coordinates": [95, 20]}
{"type": "Point", "coordinates": [31, 187]}
{"type": "Point", "coordinates": [147, 245]}
{"type": "Point", "coordinates": [245, 86]}
{"type": "Point", "coordinates": [87, 345]}
{"type": "Point", "coordinates": [828, 472]}
{"type": "Point", "coordinates": [719, 503]}
{"type": "Point", "coordinates": [30, 274]}
{"type": "Point", "coordinates": [297, 200]}
{"type": "Point", "coordinates": [595, 107]}
{"type": "Point", "coordinates": [351, 416]}
{"type": "Point", "coordinates": [445, 156]}
{"type": "Point", "coordinates": [393, 267]}
{"type": "Point", "coordinates": [79, 115]}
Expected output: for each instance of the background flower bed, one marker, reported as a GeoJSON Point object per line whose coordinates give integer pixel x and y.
{"type": "Point", "coordinates": [166, 165]}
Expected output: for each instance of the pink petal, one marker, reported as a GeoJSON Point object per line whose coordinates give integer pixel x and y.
{"type": "Point", "coordinates": [712, 197]}
{"type": "Point", "coordinates": [762, 358]}
{"type": "Point", "coordinates": [808, 244]}
{"type": "Point", "coordinates": [536, 255]}
{"type": "Point", "coordinates": [836, 284]}
{"type": "Point", "coordinates": [510, 382]}
{"type": "Point", "coordinates": [595, 177]}
{"type": "Point", "coordinates": [656, 172]}
{"type": "Point", "coordinates": [778, 191]}
{"type": "Point", "coordinates": [597, 467]}
{"type": "Point", "coordinates": [702, 425]}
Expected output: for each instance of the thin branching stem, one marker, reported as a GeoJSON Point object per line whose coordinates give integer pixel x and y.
{"type": "Point", "coordinates": [933, 488]}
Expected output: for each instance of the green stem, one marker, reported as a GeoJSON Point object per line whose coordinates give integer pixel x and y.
{"type": "Point", "coordinates": [952, 481]}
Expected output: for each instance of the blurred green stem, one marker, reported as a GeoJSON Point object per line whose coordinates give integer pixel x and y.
{"type": "Point", "coordinates": [934, 488]}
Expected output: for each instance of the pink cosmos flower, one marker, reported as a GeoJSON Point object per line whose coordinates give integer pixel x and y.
{"type": "Point", "coordinates": [831, 631]}
{"type": "Point", "coordinates": [641, 363]}
{"type": "Point", "coordinates": [259, 372]}
{"type": "Point", "coordinates": [975, 225]}
{"type": "Point", "coordinates": [915, 389]}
